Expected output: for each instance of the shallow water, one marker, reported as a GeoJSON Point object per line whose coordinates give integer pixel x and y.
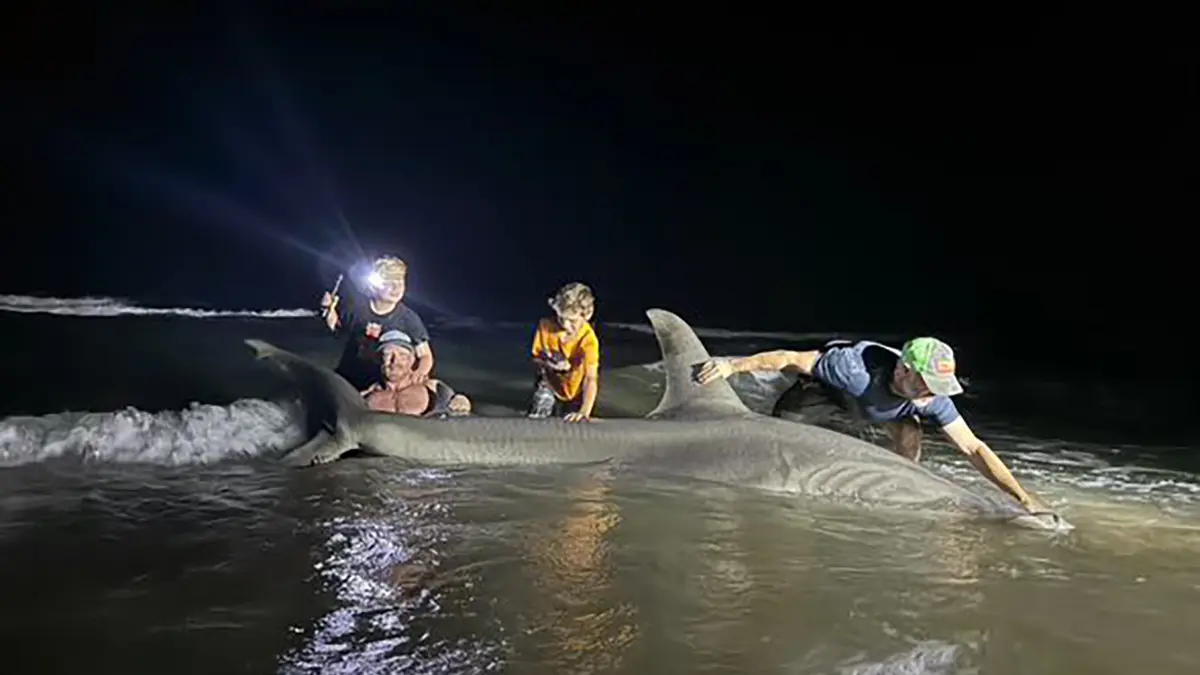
{"type": "Point", "coordinates": [135, 541]}
{"type": "Point", "coordinates": [365, 567]}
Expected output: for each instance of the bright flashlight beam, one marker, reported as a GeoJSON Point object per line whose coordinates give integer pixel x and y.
{"type": "Point", "coordinates": [214, 207]}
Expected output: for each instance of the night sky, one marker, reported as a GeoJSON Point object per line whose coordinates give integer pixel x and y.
{"type": "Point", "coordinates": [986, 177]}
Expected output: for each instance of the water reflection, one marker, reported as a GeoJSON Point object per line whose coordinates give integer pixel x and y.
{"type": "Point", "coordinates": [383, 547]}
{"type": "Point", "coordinates": [577, 619]}
{"type": "Point", "coordinates": [385, 571]}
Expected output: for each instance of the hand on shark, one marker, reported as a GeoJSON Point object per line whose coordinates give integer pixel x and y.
{"type": "Point", "coordinates": [712, 369]}
{"type": "Point", "coordinates": [1039, 510]}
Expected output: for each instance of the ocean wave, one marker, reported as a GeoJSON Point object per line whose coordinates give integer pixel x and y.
{"type": "Point", "coordinates": [197, 435]}
{"type": "Point", "coordinates": [99, 306]}
{"type": "Point", "coordinates": [102, 306]}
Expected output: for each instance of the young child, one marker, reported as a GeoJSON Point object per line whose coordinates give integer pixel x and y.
{"type": "Point", "coordinates": [367, 318]}
{"type": "Point", "coordinates": [566, 353]}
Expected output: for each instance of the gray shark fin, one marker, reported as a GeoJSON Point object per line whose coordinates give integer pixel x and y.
{"type": "Point", "coordinates": [683, 354]}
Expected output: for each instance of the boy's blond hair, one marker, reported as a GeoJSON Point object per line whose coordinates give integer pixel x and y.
{"type": "Point", "coordinates": [391, 268]}
{"type": "Point", "coordinates": [572, 298]}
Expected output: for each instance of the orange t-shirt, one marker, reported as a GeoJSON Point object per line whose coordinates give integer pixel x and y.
{"type": "Point", "coordinates": [582, 352]}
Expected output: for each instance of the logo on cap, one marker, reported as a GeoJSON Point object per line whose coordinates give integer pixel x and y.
{"type": "Point", "coordinates": [943, 366]}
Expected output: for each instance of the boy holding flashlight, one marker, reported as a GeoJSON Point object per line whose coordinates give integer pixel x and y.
{"type": "Point", "coordinates": [381, 311]}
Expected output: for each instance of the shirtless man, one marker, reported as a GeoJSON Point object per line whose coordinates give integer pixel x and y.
{"type": "Point", "coordinates": [403, 389]}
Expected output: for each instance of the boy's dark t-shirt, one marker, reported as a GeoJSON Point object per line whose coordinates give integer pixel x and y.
{"type": "Point", "coordinates": [360, 359]}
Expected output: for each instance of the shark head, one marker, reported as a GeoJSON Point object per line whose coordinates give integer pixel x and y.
{"type": "Point", "coordinates": [1047, 521]}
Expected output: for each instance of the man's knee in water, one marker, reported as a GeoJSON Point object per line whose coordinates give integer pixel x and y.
{"type": "Point", "coordinates": [808, 401]}
{"type": "Point", "coordinates": [906, 438]}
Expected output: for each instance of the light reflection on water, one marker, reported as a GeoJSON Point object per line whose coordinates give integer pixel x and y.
{"type": "Point", "coordinates": [368, 567]}
{"type": "Point", "coordinates": [380, 564]}
{"type": "Point", "coordinates": [551, 572]}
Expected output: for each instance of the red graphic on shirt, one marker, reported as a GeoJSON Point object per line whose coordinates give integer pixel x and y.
{"type": "Point", "coordinates": [373, 330]}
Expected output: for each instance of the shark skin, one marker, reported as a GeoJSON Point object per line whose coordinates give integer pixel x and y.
{"type": "Point", "coordinates": [701, 432]}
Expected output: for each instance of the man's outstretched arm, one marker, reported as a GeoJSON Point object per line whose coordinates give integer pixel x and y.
{"type": "Point", "coordinates": [988, 464]}
{"type": "Point", "coordinates": [777, 360]}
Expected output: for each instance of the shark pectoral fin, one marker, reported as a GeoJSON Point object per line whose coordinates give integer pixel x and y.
{"type": "Point", "coordinates": [683, 396]}
{"type": "Point", "coordinates": [322, 448]}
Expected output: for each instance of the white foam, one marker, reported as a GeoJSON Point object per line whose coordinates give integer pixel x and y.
{"type": "Point", "coordinates": [102, 307]}
{"type": "Point", "coordinates": [200, 434]}
{"type": "Point", "coordinates": [930, 657]}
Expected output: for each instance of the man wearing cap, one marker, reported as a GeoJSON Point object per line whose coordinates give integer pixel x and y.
{"type": "Point", "coordinates": [894, 388]}
{"type": "Point", "coordinates": [402, 389]}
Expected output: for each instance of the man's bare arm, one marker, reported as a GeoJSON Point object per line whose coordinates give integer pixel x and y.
{"type": "Point", "coordinates": [778, 360]}
{"type": "Point", "coordinates": [987, 463]}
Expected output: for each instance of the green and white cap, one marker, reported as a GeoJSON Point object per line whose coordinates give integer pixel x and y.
{"type": "Point", "coordinates": [934, 362]}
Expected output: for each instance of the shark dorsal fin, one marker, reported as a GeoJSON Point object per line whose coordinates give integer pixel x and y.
{"type": "Point", "coordinates": [683, 354]}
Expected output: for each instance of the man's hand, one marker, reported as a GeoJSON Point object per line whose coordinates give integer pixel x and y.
{"type": "Point", "coordinates": [1034, 505]}
{"type": "Point", "coordinates": [714, 368]}
{"type": "Point", "coordinates": [575, 417]}
{"type": "Point", "coordinates": [460, 405]}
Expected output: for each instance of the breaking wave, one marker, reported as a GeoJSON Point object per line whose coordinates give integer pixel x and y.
{"type": "Point", "coordinates": [112, 307]}
{"type": "Point", "coordinates": [99, 306]}
{"type": "Point", "coordinates": [200, 434]}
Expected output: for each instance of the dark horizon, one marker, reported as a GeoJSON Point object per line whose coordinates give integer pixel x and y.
{"type": "Point", "coordinates": [994, 175]}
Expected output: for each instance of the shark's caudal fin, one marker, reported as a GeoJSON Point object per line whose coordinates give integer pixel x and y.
{"type": "Point", "coordinates": [683, 354]}
{"type": "Point", "coordinates": [330, 402]}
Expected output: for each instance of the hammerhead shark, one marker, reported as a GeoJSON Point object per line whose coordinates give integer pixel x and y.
{"type": "Point", "coordinates": [701, 432]}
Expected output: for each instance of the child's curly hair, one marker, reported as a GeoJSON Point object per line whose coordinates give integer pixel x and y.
{"type": "Point", "coordinates": [391, 268]}
{"type": "Point", "coordinates": [572, 298]}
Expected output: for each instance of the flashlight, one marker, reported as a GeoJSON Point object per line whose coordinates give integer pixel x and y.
{"type": "Point", "coordinates": [333, 294]}
{"type": "Point", "coordinates": [374, 280]}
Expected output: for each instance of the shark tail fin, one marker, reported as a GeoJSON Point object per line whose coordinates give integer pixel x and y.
{"type": "Point", "coordinates": [262, 350]}
{"type": "Point", "coordinates": [683, 354]}
{"type": "Point", "coordinates": [330, 402]}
